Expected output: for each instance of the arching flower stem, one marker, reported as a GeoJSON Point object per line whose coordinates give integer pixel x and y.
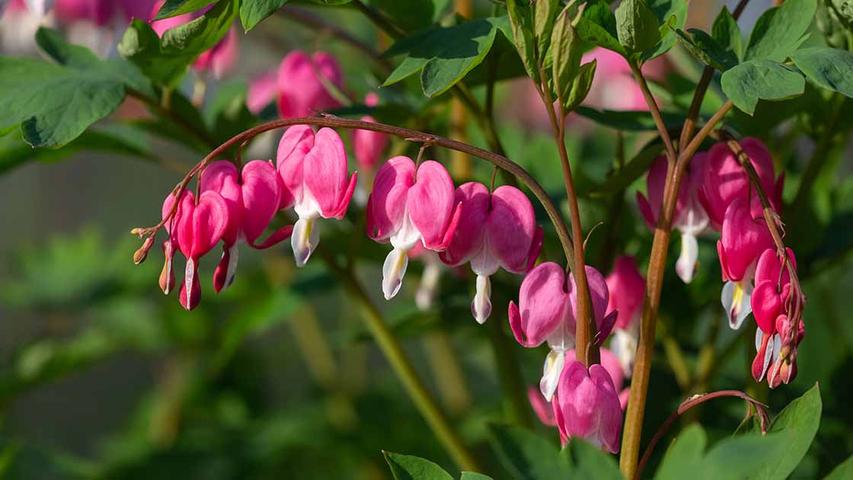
{"type": "Point", "coordinates": [409, 135]}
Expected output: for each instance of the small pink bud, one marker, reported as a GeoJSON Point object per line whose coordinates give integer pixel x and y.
{"type": "Point", "coordinates": [587, 406]}
{"type": "Point", "coordinates": [141, 254]}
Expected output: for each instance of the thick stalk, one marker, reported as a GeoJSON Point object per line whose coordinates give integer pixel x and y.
{"type": "Point", "coordinates": [401, 365]}
{"type": "Point", "coordinates": [586, 350]}
{"type": "Point", "coordinates": [632, 432]}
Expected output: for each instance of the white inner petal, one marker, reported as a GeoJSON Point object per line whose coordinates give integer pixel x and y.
{"type": "Point", "coordinates": [685, 266]}
{"type": "Point", "coordinates": [551, 371]}
{"type": "Point", "coordinates": [429, 282]}
{"type": "Point", "coordinates": [481, 307]}
{"type": "Point", "coordinates": [393, 271]}
{"type": "Point", "coordinates": [304, 239]}
{"type": "Point", "coordinates": [407, 236]}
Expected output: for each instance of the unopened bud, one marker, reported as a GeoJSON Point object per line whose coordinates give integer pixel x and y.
{"type": "Point", "coordinates": [141, 254]}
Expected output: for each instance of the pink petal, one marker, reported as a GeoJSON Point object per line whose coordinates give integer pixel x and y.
{"type": "Point", "coordinates": [541, 407]}
{"type": "Point", "coordinates": [295, 144]}
{"type": "Point", "coordinates": [627, 289]}
{"type": "Point", "coordinates": [599, 295]}
{"type": "Point", "coordinates": [511, 228]}
{"type": "Point", "coordinates": [222, 177]}
{"type": "Point", "coordinates": [543, 302]}
{"type": "Point", "coordinates": [368, 145]}
{"type": "Point", "coordinates": [261, 198]}
{"type": "Point", "coordinates": [430, 203]}
{"type": "Point", "coordinates": [743, 239]}
{"type": "Point", "coordinates": [474, 212]}
{"type": "Point", "coordinates": [387, 202]}
{"type": "Point", "coordinates": [325, 172]}
{"type": "Point", "coordinates": [262, 91]}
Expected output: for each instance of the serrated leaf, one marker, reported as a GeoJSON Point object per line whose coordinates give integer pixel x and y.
{"type": "Point", "coordinates": [750, 81]}
{"type": "Point", "coordinates": [444, 55]}
{"type": "Point", "coordinates": [173, 8]}
{"type": "Point", "coordinates": [727, 33]}
{"type": "Point", "coordinates": [796, 426]}
{"type": "Point", "coordinates": [829, 68]}
{"type": "Point", "coordinates": [780, 30]}
{"type": "Point", "coordinates": [637, 27]}
{"type": "Point", "coordinates": [597, 25]}
{"type": "Point", "coordinates": [527, 455]}
{"type": "Point", "coordinates": [252, 12]}
{"type": "Point", "coordinates": [580, 86]}
{"type": "Point", "coordinates": [55, 103]}
{"type": "Point", "coordinates": [409, 467]}
{"type": "Point", "coordinates": [706, 49]}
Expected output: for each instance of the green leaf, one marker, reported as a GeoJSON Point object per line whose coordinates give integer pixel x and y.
{"type": "Point", "coordinates": [55, 103]}
{"type": "Point", "coordinates": [252, 12]}
{"type": "Point", "coordinates": [636, 26]}
{"type": "Point", "coordinates": [742, 456]}
{"type": "Point", "coordinates": [544, 14]}
{"type": "Point", "coordinates": [411, 15]}
{"type": "Point", "coordinates": [843, 471]}
{"type": "Point", "coordinates": [780, 30]}
{"type": "Point", "coordinates": [829, 68]}
{"type": "Point", "coordinates": [684, 457]}
{"type": "Point", "coordinates": [527, 455]}
{"type": "Point", "coordinates": [750, 81]}
{"type": "Point", "coordinates": [474, 476]}
{"type": "Point", "coordinates": [727, 33]}
{"type": "Point", "coordinates": [580, 86]}
{"type": "Point", "coordinates": [166, 60]}
{"type": "Point", "coordinates": [444, 55]}
{"type": "Point", "coordinates": [565, 53]}
{"type": "Point", "coordinates": [521, 25]}
{"type": "Point", "coordinates": [597, 25]}
{"type": "Point", "coordinates": [591, 462]}
{"type": "Point", "coordinates": [671, 14]}
{"type": "Point", "coordinates": [173, 8]}
{"type": "Point", "coordinates": [632, 120]}
{"type": "Point", "coordinates": [408, 467]}
{"type": "Point", "coordinates": [796, 426]}
{"type": "Point", "coordinates": [706, 49]}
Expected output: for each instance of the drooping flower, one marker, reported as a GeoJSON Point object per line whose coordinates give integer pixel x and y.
{"type": "Point", "coordinates": [409, 205]}
{"type": "Point", "coordinates": [369, 145]}
{"type": "Point", "coordinates": [586, 405]}
{"type": "Point", "coordinates": [546, 312]}
{"type": "Point", "coordinates": [196, 229]}
{"type": "Point", "coordinates": [725, 180]}
{"type": "Point", "coordinates": [690, 218]}
{"type": "Point", "coordinates": [313, 170]}
{"type": "Point", "coordinates": [775, 339]}
{"type": "Point", "coordinates": [263, 89]}
{"type": "Point", "coordinates": [496, 230]}
{"type": "Point", "coordinates": [304, 82]}
{"type": "Point", "coordinates": [253, 197]}
{"type": "Point", "coordinates": [742, 241]}
{"type": "Point", "coordinates": [627, 289]}
{"type": "Point", "coordinates": [428, 284]}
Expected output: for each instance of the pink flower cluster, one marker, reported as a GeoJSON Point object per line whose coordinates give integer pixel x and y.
{"type": "Point", "coordinates": [717, 194]}
{"type": "Point", "coordinates": [310, 176]}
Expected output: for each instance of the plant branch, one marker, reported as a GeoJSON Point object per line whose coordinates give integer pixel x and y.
{"type": "Point", "coordinates": [696, 400]}
{"type": "Point", "coordinates": [654, 109]}
{"type": "Point", "coordinates": [586, 348]}
{"type": "Point", "coordinates": [632, 432]}
{"type": "Point", "coordinates": [163, 111]}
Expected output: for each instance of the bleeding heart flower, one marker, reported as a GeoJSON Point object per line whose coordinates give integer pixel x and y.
{"type": "Point", "coordinates": [301, 86]}
{"type": "Point", "coordinates": [627, 289]}
{"type": "Point", "coordinates": [546, 312]}
{"type": "Point", "coordinates": [313, 169]}
{"type": "Point", "coordinates": [410, 205]}
{"type": "Point", "coordinates": [496, 230]}
{"type": "Point", "coordinates": [199, 228]}
{"type": "Point", "coordinates": [263, 89]}
{"type": "Point", "coordinates": [690, 218]}
{"type": "Point", "coordinates": [743, 239]}
{"type": "Point", "coordinates": [369, 145]}
{"type": "Point", "coordinates": [725, 180]}
{"type": "Point", "coordinates": [222, 177]}
{"type": "Point", "coordinates": [428, 285]}
{"type": "Point", "coordinates": [586, 405]}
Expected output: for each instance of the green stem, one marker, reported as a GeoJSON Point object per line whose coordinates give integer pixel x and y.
{"type": "Point", "coordinates": [393, 351]}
